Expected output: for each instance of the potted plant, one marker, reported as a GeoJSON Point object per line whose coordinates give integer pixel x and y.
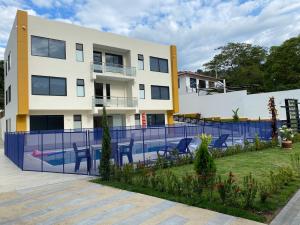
{"type": "Point", "coordinates": [286, 135]}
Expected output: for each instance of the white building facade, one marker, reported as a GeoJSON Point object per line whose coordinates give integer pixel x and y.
{"type": "Point", "coordinates": [59, 76]}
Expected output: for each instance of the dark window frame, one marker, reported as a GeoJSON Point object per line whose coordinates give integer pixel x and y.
{"type": "Point", "coordinates": [9, 94]}
{"type": "Point", "coordinates": [141, 59]}
{"type": "Point", "coordinates": [194, 84]}
{"type": "Point", "coordinates": [114, 55]}
{"type": "Point", "coordinates": [160, 92]}
{"type": "Point", "coordinates": [49, 88]}
{"type": "Point", "coordinates": [48, 55]}
{"type": "Point", "coordinates": [159, 69]}
{"type": "Point", "coordinates": [9, 62]}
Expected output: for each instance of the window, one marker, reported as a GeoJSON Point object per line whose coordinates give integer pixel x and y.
{"type": "Point", "coordinates": [8, 62]}
{"type": "Point", "coordinates": [46, 122]}
{"type": "Point", "coordinates": [137, 119]}
{"type": "Point", "coordinates": [46, 47]}
{"type": "Point", "coordinates": [141, 62]}
{"type": "Point", "coordinates": [178, 82]}
{"type": "Point", "coordinates": [113, 59]}
{"type": "Point", "coordinates": [160, 92]}
{"type": "Point", "coordinates": [8, 125]}
{"type": "Point", "coordinates": [9, 93]}
{"type": "Point", "coordinates": [158, 65]}
{"type": "Point", "coordinates": [193, 83]}
{"type": "Point", "coordinates": [79, 52]}
{"type": "Point", "coordinates": [142, 91]}
{"type": "Point", "coordinates": [155, 119]}
{"type": "Point", "coordinates": [80, 88]}
{"type": "Point", "coordinates": [77, 122]}
{"type": "Point", "coordinates": [202, 84]}
{"type": "Point", "coordinates": [211, 84]}
{"type": "Point", "coordinates": [107, 91]}
{"type": "Point", "coordinates": [43, 85]}
{"type": "Point", "coordinates": [5, 67]}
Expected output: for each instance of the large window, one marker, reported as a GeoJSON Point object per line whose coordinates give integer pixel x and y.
{"type": "Point", "coordinates": [79, 52]}
{"type": "Point", "coordinates": [46, 122]}
{"type": "Point", "coordinates": [160, 92]}
{"type": "Point", "coordinates": [113, 59]}
{"type": "Point", "coordinates": [80, 88]}
{"type": "Point", "coordinates": [193, 83]}
{"type": "Point", "coordinates": [46, 47]}
{"type": "Point", "coordinates": [42, 85]}
{"type": "Point", "coordinates": [155, 119]}
{"type": "Point", "coordinates": [141, 62]}
{"type": "Point", "coordinates": [159, 65]}
{"type": "Point", "coordinates": [142, 91]}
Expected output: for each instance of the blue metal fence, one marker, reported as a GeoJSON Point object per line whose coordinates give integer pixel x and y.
{"type": "Point", "coordinates": [52, 151]}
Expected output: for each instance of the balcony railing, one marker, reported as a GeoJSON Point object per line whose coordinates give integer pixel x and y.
{"type": "Point", "coordinates": [113, 68]}
{"type": "Point", "coordinates": [111, 101]}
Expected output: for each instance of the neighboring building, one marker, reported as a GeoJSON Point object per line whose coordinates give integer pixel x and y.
{"type": "Point", "coordinates": [191, 82]}
{"type": "Point", "coordinates": [59, 76]}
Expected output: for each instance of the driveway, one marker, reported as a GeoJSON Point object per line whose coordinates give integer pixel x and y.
{"type": "Point", "coordinates": [49, 198]}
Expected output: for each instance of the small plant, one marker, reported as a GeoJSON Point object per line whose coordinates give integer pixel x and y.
{"type": "Point", "coordinates": [104, 168]}
{"type": "Point", "coordinates": [287, 134]}
{"type": "Point", "coordinates": [264, 192]}
{"type": "Point", "coordinates": [257, 143]}
{"type": "Point", "coordinates": [295, 161]}
{"type": "Point", "coordinates": [172, 183]}
{"type": "Point", "coordinates": [228, 190]}
{"type": "Point", "coordinates": [116, 173]}
{"type": "Point", "coordinates": [235, 115]}
{"type": "Point", "coordinates": [128, 173]}
{"type": "Point", "coordinates": [249, 191]}
{"type": "Point", "coordinates": [204, 164]}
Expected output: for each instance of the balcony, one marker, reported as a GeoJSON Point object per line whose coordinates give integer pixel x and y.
{"type": "Point", "coordinates": [113, 71]}
{"type": "Point", "coordinates": [115, 102]}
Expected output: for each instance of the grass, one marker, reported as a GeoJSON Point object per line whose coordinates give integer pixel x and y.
{"type": "Point", "coordinates": [258, 163]}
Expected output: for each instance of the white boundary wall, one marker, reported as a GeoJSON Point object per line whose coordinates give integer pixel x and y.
{"type": "Point", "coordinates": [221, 105]}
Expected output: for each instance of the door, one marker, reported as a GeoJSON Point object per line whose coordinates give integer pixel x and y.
{"type": "Point", "coordinates": [98, 94]}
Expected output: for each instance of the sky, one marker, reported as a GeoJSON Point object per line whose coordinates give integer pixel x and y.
{"type": "Point", "coordinates": [197, 27]}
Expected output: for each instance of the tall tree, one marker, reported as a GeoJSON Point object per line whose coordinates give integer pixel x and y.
{"type": "Point", "coordinates": [241, 64]}
{"type": "Point", "coordinates": [283, 66]}
{"type": "Point", "coordinates": [104, 168]}
{"type": "Point", "coordinates": [1, 84]}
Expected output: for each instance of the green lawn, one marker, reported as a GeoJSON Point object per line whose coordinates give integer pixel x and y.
{"type": "Point", "coordinates": [259, 163]}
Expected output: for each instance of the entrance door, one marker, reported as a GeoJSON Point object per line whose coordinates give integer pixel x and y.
{"type": "Point", "coordinates": [98, 94]}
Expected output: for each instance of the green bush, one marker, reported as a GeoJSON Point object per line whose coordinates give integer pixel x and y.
{"type": "Point", "coordinates": [172, 183]}
{"type": "Point", "coordinates": [128, 173]}
{"type": "Point", "coordinates": [104, 168]}
{"type": "Point", "coordinates": [264, 192]}
{"type": "Point", "coordinates": [249, 191]}
{"type": "Point", "coordinates": [295, 161]}
{"type": "Point", "coordinates": [204, 164]}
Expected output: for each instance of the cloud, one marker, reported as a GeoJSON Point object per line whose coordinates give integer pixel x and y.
{"type": "Point", "coordinates": [197, 27]}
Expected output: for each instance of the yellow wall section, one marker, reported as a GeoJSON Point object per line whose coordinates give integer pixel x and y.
{"type": "Point", "coordinates": [21, 123]}
{"type": "Point", "coordinates": [22, 51]}
{"type": "Point", "coordinates": [174, 74]}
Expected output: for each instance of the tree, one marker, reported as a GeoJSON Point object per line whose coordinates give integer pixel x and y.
{"type": "Point", "coordinates": [282, 67]}
{"type": "Point", "coordinates": [104, 168]}
{"type": "Point", "coordinates": [1, 84]}
{"type": "Point", "coordinates": [241, 64]}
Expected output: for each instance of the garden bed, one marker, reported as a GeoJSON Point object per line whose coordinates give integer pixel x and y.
{"type": "Point", "coordinates": [258, 163]}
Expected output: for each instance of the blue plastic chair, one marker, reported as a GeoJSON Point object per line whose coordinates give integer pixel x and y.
{"type": "Point", "coordinates": [82, 154]}
{"type": "Point", "coordinates": [182, 148]}
{"type": "Point", "coordinates": [126, 150]}
{"type": "Point", "coordinates": [220, 142]}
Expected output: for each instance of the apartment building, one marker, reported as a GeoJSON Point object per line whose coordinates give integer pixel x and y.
{"type": "Point", "coordinates": [59, 76]}
{"type": "Point", "coordinates": [191, 82]}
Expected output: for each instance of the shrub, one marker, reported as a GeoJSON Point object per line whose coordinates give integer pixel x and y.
{"type": "Point", "coordinates": [161, 162]}
{"type": "Point", "coordinates": [295, 161]}
{"type": "Point", "coordinates": [274, 182]}
{"type": "Point", "coordinates": [249, 191]}
{"type": "Point", "coordinates": [116, 173]}
{"type": "Point", "coordinates": [204, 164]}
{"type": "Point", "coordinates": [264, 192]}
{"type": "Point", "coordinates": [228, 190]}
{"type": "Point", "coordinates": [257, 143]}
{"type": "Point", "coordinates": [104, 168]}
{"type": "Point", "coordinates": [172, 183]}
{"type": "Point", "coordinates": [235, 115]}
{"type": "Point", "coordinates": [285, 175]}
{"type": "Point", "coordinates": [128, 173]}
{"type": "Point", "coordinates": [296, 137]}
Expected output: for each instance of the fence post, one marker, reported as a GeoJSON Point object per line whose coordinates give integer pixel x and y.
{"type": "Point", "coordinates": [63, 150]}
{"type": "Point", "coordinates": [42, 148]}
{"type": "Point", "coordinates": [165, 136]}
{"type": "Point", "coordinates": [143, 132]}
{"type": "Point", "coordinates": [232, 126]}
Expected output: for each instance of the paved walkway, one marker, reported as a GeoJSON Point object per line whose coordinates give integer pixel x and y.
{"type": "Point", "coordinates": [45, 198]}
{"type": "Point", "coordinates": [290, 214]}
